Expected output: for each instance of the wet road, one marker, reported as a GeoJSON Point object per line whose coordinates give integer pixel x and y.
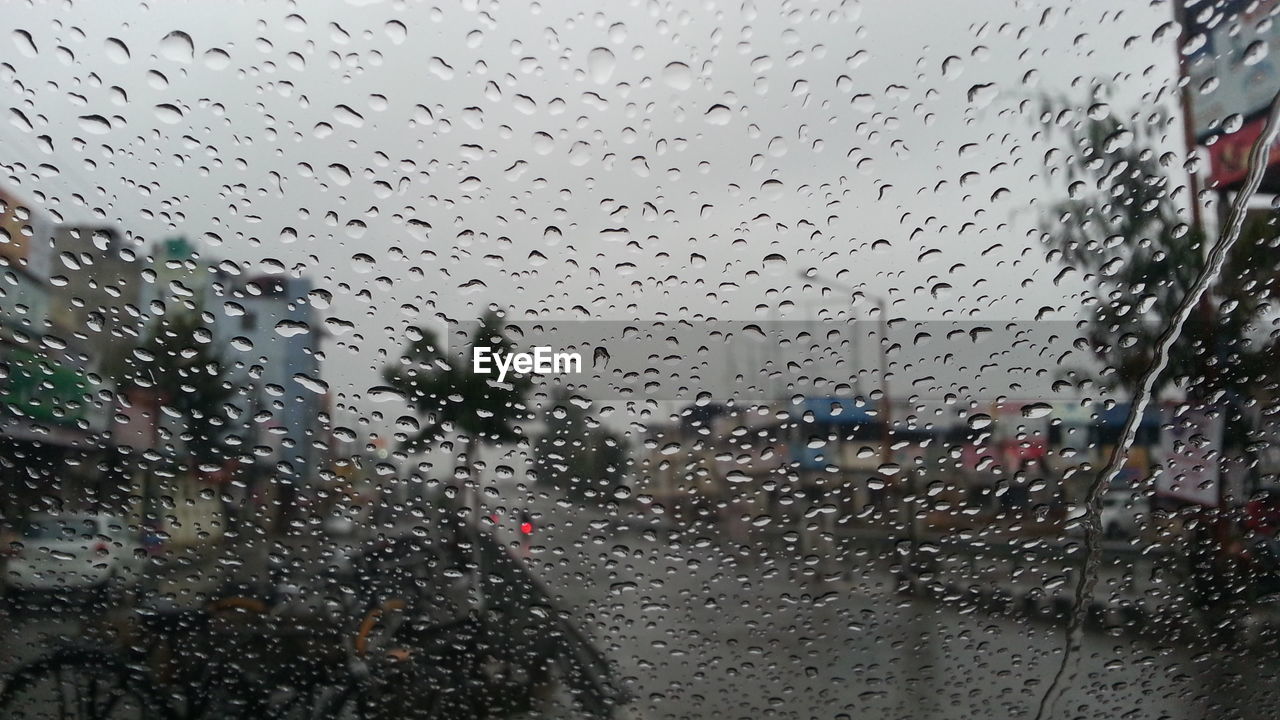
{"type": "Point", "coordinates": [701, 626]}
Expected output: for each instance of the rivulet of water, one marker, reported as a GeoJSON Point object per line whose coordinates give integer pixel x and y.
{"type": "Point", "coordinates": [1142, 397]}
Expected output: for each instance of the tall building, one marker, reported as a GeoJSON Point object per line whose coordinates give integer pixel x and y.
{"type": "Point", "coordinates": [265, 332]}
{"type": "Point", "coordinates": [51, 414]}
{"type": "Point", "coordinates": [282, 333]}
{"type": "Point", "coordinates": [95, 281]}
{"type": "Point", "coordinates": [24, 288]}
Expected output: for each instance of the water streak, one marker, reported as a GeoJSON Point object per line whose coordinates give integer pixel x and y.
{"type": "Point", "coordinates": [1142, 397]}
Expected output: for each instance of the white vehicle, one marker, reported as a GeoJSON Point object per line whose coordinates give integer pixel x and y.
{"type": "Point", "coordinates": [68, 552]}
{"type": "Point", "coordinates": [1121, 514]}
{"type": "Point", "coordinates": [338, 524]}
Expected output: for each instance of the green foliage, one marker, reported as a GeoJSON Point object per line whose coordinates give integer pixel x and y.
{"type": "Point", "coordinates": [1121, 228]}
{"type": "Point", "coordinates": [178, 361]}
{"type": "Point", "coordinates": [447, 395]}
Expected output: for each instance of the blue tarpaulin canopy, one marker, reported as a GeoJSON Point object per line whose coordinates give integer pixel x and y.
{"type": "Point", "coordinates": [814, 458]}
{"type": "Point", "coordinates": [838, 411]}
{"type": "Point", "coordinates": [1117, 415]}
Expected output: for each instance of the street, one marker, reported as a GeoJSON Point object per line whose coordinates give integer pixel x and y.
{"type": "Point", "coordinates": [698, 625]}
{"type": "Point", "coordinates": [699, 630]}
{"type": "Point", "coordinates": [482, 360]}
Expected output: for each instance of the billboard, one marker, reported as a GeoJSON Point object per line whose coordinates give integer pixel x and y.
{"type": "Point", "coordinates": [1230, 70]}
{"type": "Point", "coordinates": [1189, 449]}
{"type": "Point", "coordinates": [43, 389]}
{"type": "Point", "coordinates": [1229, 156]}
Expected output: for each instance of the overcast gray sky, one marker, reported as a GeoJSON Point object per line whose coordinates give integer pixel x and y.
{"type": "Point", "coordinates": [576, 160]}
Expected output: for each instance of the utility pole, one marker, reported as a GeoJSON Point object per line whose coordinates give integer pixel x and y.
{"type": "Point", "coordinates": [1188, 119]}
{"type": "Point", "coordinates": [886, 403]}
{"type": "Point", "coordinates": [1207, 304]}
{"type": "Point", "coordinates": [885, 409]}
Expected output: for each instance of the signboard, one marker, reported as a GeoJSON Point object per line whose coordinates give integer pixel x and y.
{"type": "Point", "coordinates": [1231, 72]}
{"type": "Point", "coordinates": [1072, 413]}
{"type": "Point", "coordinates": [1229, 156]}
{"type": "Point", "coordinates": [1234, 70]}
{"type": "Point", "coordinates": [136, 417]}
{"type": "Point", "coordinates": [41, 389]}
{"type": "Point", "coordinates": [1191, 456]}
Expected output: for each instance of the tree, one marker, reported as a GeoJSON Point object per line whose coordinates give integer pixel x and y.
{"type": "Point", "coordinates": [449, 397]}
{"type": "Point", "coordinates": [179, 363]}
{"type": "Point", "coordinates": [1120, 227]}
{"type": "Point", "coordinates": [576, 453]}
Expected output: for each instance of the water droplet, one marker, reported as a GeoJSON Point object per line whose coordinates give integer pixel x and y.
{"type": "Point", "coordinates": [678, 76]}
{"type": "Point", "coordinates": [1036, 410]}
{"type": "Point", "coordinates": [315, 385]}
{"type": "Point", "coordinates": [216, 59]}
{"type": "Point", "coordinates": [983, 94]}
{"type": "Point", "coordinates": [117, 51]}
{"type": "Point", "coordinates": [290, 328]}
{"type": "Point", "coordinates": [26, 45]}
{"type": "Point", "coordinates": [340, 174]}
{"type": "Point", "coordinates": [396, 31]}
{"type": "Point", "coordinates": [382, 393]}
{"type": "Point", "coordinates": [718, 115]}
{"type": "Point", "coordinates": [169, 114]}
{"type": "Point", "coordinates": [177, 46]}
{"type": "Point", "coordinates": [1255, 53]}
{"type": "Point", "coordinates": [95, 124]}
{"type": "Point", "coordinates": [600, 65]}
{"type": "Point", "coordinates": [978, 421]}
{"type": "Point", "coordinates": [440, 68]}
{"type": "Point", "coordinates": [347, 116]}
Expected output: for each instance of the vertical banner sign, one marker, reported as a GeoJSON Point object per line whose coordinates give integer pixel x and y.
{"type": "Point", "coordinates": [1190, 449]}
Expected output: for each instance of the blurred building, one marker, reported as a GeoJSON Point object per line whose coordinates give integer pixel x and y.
{"type": "Point", "coordinates": [24, 292]}
{"type": "Point", "coordinates": [281, 333]}
{"type": "Point", "coordinates": [95, 282]}
{"type": "Point", "coordinates": [52, 409]}
{"type": "Point", "coordinates": [266, 333]}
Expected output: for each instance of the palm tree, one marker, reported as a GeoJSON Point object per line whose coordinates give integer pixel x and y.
{"type": "Point", "coordinates": [450, 398]}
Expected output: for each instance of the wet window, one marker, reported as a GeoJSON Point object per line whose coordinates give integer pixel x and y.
{"type": "Point", "coordinates": [387, 359]}
{"type": "Point", "coordinates": [46, 528]}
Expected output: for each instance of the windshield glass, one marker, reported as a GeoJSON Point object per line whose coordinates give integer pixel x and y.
{"type": "Point", "coordinates": [469, 359]}
{"type": "Point", "coordinates": [51, 528]}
